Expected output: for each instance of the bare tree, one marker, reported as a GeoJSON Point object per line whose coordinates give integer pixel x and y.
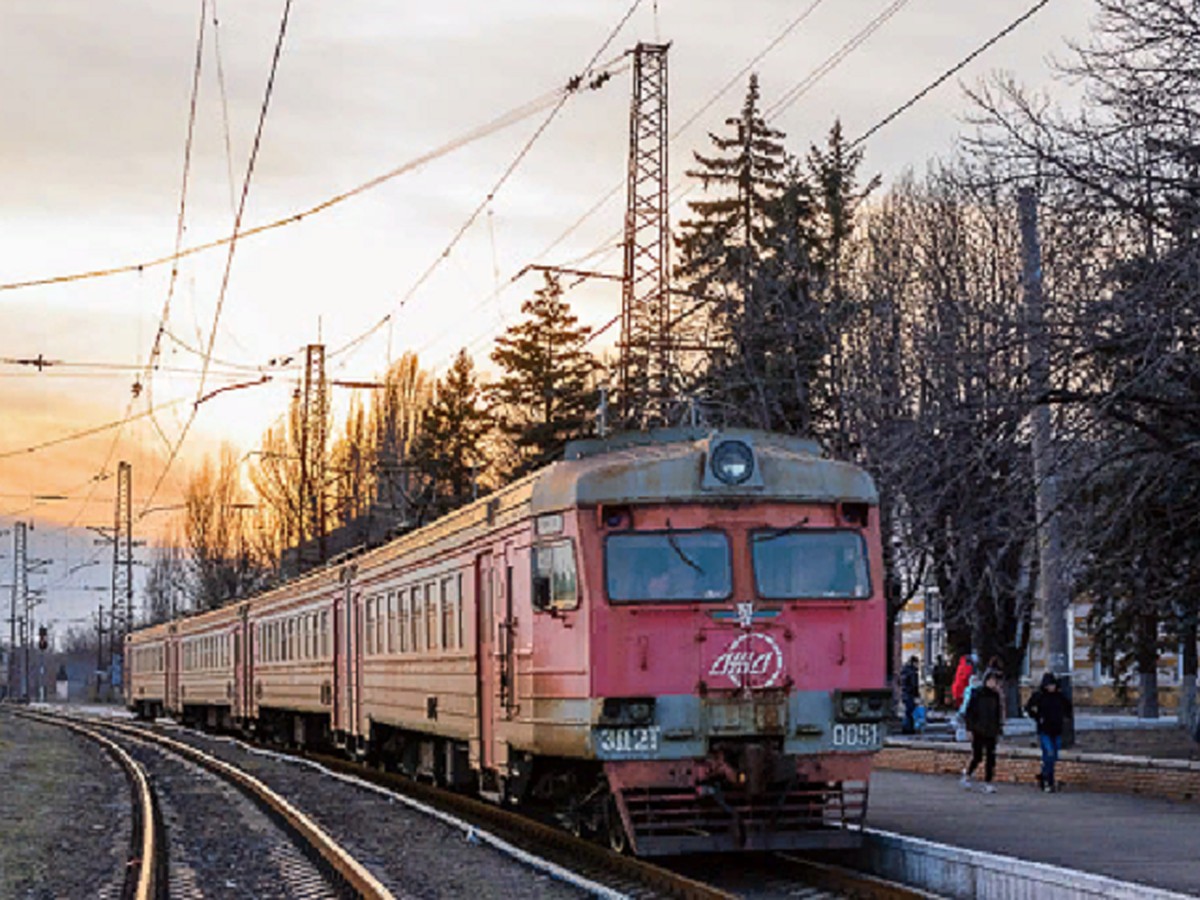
{"type": "Point", "coordinates": [221, 558]}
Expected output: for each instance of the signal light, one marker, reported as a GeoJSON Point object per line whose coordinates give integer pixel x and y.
{"type": "Point", "coordinates": [43, 638]}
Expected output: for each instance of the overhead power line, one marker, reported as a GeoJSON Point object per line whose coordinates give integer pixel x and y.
{"type": "Point", "coordinates": [232, 244]}
{"type": "Point", "coordinates": [949, 73]}
{"type": "Point", "coordinates": [78, 435]}
{"type": "Point", "coordinates": [591, 77]}
{"type": "Point", "coordinates": [506, 120]}
{"type": "Point", "coordinates": [802, 87]}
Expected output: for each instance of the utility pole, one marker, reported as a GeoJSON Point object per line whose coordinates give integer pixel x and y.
{"type": "Point", "coordinates": [1051, 588]}
{"type": "Point", "coordinates": [645, 369]}
{"type": "Point", "coordinates": [20, 590]}
{"type": "Point", "coordinates": [99, 649]}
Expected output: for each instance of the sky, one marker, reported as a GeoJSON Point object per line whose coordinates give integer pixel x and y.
{"type": "Point", "coordinates": [94, 111]}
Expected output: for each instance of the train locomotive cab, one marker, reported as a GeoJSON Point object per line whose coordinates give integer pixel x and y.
{"type": "Point", "coordinates": [735, 637]}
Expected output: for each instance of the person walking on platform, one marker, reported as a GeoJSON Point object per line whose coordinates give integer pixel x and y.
{"type": "Point", "coordinates": [1050, 708]}
{"type": "Point", "coordinates": [941, 682]}
{"type": "Point", "coordinates": [985, 720]}
{"type": "Point", "coordinates": [910, 687]}
{"type": "Point", "coordinates": [962, 677]}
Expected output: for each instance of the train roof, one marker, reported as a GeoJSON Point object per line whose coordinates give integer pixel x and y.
{"type": "Point", "coordinates": [674, 465]}
{"type": "Point", "coordinates": [661, 466]}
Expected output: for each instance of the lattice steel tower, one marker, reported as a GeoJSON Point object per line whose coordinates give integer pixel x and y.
{"type": "Point", "coordinates": [121, 613]}
{"type": "Point", "coordinates": [314, 440]}
{"type": "Point", "coordinates": [646, 376]}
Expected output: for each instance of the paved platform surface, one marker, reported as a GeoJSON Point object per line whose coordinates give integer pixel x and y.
{"type": "Point", "coordinates": [1138, 839]}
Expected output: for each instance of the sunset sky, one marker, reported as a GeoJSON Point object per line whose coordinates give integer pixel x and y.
{"type": "Point", "coordinates": [94, 102]}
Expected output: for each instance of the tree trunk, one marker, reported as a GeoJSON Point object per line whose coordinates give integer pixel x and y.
{"type": "Point", "coordinates": [1147, 662]}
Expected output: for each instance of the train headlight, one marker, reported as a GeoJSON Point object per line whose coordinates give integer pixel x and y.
{"type": "Point", "coordinates": [861, 705]}
{"type": "Point", "coordinates": [641, 712]}
{"type": "Point", "coordinates": [732, 462]}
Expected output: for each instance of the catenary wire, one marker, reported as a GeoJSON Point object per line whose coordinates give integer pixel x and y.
{"type": "Point", "coordinates": [232, 248]}
{"type": "Point", "coordinates": [949, 73]}
{"type": "Point", "coordinates": [578, 81]}
{"type": "Point", "coordinates": [512, 117]}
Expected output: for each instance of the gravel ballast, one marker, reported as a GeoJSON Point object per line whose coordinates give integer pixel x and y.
{"type": "Point", "coordinates": [64, 814]}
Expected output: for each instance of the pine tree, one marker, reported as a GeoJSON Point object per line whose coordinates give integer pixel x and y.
{"type": "Point", "coordinates": [837, 196]}
{"type": "Point", "coordinates": [722, 246]}
{"type": "Point", "coordinates": [544, 395]}
{"type": "Point", "coordinates": [448, 449]}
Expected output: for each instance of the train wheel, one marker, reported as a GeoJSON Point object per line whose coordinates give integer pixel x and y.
{"type": "Point", "coordinates": [618, 840]}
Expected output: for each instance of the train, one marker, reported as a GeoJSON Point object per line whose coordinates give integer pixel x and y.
{"type": "Point", "coordinates": [672, 641]}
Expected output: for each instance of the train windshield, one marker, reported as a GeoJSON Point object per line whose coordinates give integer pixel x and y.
{"type": "Point", "coordinates": [667, 566]}
{"type": "Point", "coordinates": [808, 564]}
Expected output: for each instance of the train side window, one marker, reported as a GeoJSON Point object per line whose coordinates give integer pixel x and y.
{"type": "Point", "coordinates": [370, 641]}
{"type": "Point", "coordinates": [431, 616]}
{"type": "Point", "coordinates": [462, 635]}
{"type": "Point", "coordinates": [555, 583]}
{"type": "Point", "coordinates": [402, 620]}
{"type": "Point", "coordinates": [391, 623]}
{"type": "Point", "coordinates": [449, 617]}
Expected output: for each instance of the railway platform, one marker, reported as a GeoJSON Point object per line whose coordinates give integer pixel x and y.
{"type": "Point", "coordinates": [1144, 840]}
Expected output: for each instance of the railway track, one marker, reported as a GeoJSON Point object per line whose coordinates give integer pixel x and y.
{"type": "Point", "coordinates": [204, 828]}
{"type": "Point", "coordinates": [143, 869]}
{"type": "Point", "coordinates": [717, 878]}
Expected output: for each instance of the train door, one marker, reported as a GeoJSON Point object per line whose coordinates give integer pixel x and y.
{"type": "Point", "coordinates": [173, 663]}
{"type": "Point", "coordinates": [341, 660]}
{"type": "Point", "coordinates": [507, 636]}
{"type": "Point", "coordinates": [243, 654]}
{"type": "Point", "coordinates": [485, 659]}
{"type": "Point", "coordinates": [356, 658]}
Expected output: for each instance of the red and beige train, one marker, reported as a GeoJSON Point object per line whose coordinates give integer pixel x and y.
{"type": "Point", "coordinates": [673, 640]}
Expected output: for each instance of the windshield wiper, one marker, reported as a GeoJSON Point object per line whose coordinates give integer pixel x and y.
{"type": "Point", "coordinates": [679, 550]}
{"type": "Point", "coordinates": [780, 532]}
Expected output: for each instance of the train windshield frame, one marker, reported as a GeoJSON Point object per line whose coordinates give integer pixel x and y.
{"type": "Point", "coordinates": [668, 566]}
{"type": "Point", "coordinates": [810, 564]}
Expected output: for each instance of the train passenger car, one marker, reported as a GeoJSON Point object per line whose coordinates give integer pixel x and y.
{"type": "Point", "coordinates": [146, 670]}
{"type": "Point", "coordinates": [286, 680]}
{"type": "Point", "coordinates": [673, 640]}
{"type": "Point", "coordinates": [203, 651]}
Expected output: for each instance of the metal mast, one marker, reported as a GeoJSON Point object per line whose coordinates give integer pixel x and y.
{"type": "Point", "coordinates": [645, 364]}
{"type": "Point", "coordinates": [121, 613]}
{"type": "Point", "coordinates": [314, 438]}
{"type": "Point", "coordinates": [20, 600]}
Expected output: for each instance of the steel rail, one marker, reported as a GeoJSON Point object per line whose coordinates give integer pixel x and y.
{"type": "Point", "coordinates": [352, 873]}
{"type": "Point", "coordinates": [481, 813]}
{"type": "Point", "coordinates": [141, 874]}
{"type": "Point", "coordinates": [847, 881]}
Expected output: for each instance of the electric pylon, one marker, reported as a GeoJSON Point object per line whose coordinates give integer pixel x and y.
{"type": "Point", "coordinates": [645, 368]}
{"type": "Point", "coordinates": [314, 439]}
{"type": "Point", "coordinates": [121, 612]}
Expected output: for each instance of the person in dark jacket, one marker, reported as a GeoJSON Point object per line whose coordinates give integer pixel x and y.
{"type": "Point", "coordinates": [910, 687]}
{"type": "Point", "coordinates": [984, 718]}
{"type": "Point", "coordinates": [1050, 708]}
{"type": "Point", "coordinates": [941, 682]}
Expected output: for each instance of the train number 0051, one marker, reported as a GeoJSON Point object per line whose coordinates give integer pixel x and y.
{"type": "Point", "coordinates": [858, 734]}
